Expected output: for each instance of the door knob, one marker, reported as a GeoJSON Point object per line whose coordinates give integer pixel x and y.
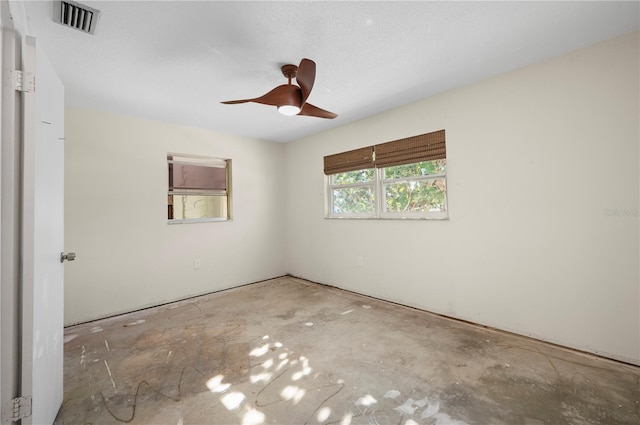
{"type": "Point", "coordinates": [69, 257]}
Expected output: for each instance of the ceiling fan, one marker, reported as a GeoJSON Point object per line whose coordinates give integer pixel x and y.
{"type": "Point", "coordinates": [291, 99]}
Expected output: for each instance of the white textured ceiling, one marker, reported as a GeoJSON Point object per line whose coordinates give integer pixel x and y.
{"type": "Point", "coordinates": [176, 60]}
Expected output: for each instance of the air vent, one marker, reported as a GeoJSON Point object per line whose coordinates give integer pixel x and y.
{"type": "Point", "coordinates": [76, 15]}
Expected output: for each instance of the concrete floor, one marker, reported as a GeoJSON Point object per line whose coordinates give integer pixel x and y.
{"type": "Point", "coordinates": [287, 351]}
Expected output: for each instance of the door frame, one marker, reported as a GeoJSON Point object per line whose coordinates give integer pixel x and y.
{"type": "Point", "coordinates": [10, 216]}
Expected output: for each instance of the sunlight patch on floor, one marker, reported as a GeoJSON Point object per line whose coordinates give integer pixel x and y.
{"type": "Point", "coordinates": [215, 384]}
{"type": "Point", "coordinates": [367, 400]}
{"type": "Point", "coordinates": [264, 377]}
{"type": "Point", "coordinates": [260, 351]}
{"type": "Point", "coordinates": [346, 420]}
{"type": "Point", "coordinates": [323, 414]}
{"type": "Point", "coordinates": [232, 400]}
{"type": "Point", "coordinates": [291, 392]}
{"type": "Point", "coordinates": [253, 417]}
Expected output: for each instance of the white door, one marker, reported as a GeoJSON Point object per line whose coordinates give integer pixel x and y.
{"type": "Point", "coordinates": [43, 237]}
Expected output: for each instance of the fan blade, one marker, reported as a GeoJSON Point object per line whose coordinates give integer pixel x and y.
{"type": "Point", "coordinates": [306, 76]}
{"type": "Point", "coordinates": [286, 94]}
{"type": "Point", "coordinates": [233, 102]}
{"type": "Point", "coordinates": [313, 111]}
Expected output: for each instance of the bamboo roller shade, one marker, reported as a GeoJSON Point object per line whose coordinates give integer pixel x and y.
{"type": "Point", "coordinates": [424, 147]}
{"type": "Point", "coordinates": [357, 159]}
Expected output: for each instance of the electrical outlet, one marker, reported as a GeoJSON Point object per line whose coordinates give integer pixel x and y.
{"type": "Point", "coordinates": [360, 261]}
{"type": "Point", "coordinates": [196, 264]}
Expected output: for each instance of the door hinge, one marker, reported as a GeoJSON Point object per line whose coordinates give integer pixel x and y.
{"type": "Point", "coordinates": [18, 408]}
{"type": "Point", "coordinates": [24, 81]}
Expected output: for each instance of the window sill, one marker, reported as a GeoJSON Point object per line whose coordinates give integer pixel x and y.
{"type": "Point", "coordinates": [198, 220]}
{"type": "Point", "coordinates": [388, 218]}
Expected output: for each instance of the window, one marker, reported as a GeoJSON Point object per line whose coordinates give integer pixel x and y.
{"type": "Point", "coordinates": [353, 192]}
{"type": "Point", "coordinates": [405, 178]}
{"type": "Point", "coordinates": [198, 189]}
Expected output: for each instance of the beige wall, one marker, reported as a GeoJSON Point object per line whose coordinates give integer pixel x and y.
{"type": "Point", "coordinates": [116, 216]}
{"type": "Point", "coordinates": [543, 186]}
{"type": "Point", "coordinates": [543, 233]}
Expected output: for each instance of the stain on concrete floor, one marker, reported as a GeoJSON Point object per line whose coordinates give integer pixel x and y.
{"type": "Point", "coordinates": [287, 351]}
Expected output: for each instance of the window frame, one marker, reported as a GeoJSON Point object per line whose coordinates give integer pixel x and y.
{"type": "Point", "coordinates": [204, 161]}
{"type": "Point", "coordinates": [380, 211]}
{"type": "Point", "coordinates": [428, 215]}
{"type": "Point", "coordinates": [330, 186]}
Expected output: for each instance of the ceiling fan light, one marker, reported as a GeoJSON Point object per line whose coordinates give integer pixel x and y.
{"type": "Point", "coordinates": [288, 110]}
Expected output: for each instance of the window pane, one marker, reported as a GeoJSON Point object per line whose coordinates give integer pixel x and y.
{"type": "Point", "coordinates": [353, 200]}
{"type": "Point", "coordinates": [415, 196]}
{"type": "Point", "coordinates": [424, 168]}
{"type": "Point", "coordinates": [194, 206]}
{"type": "Point", "coordinates": [350, 177]}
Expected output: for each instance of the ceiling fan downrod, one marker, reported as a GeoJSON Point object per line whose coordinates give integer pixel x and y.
{"type": "Point", "coordinates": [289, 71]}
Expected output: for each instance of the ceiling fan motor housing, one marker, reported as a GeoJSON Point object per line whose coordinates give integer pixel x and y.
{"type": "Point", "coordinates": [289, 71]}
